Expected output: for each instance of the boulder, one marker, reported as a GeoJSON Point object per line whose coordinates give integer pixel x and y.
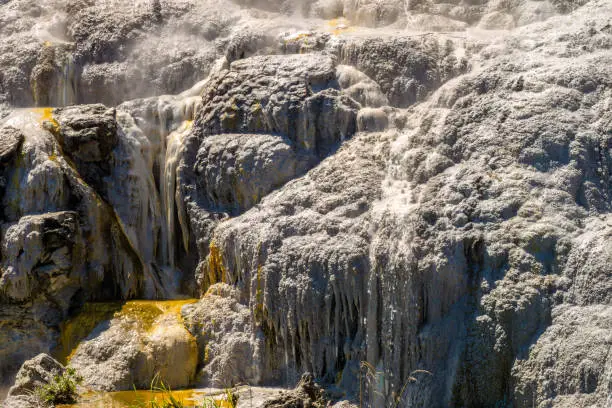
{"type": "Point", "coordinates": [292, 95]}
{"type": "Point", "coordinates": [295, 98]}
{"type": "Point", "coordinates": [236, 171]}
{"type": "Point", "coordinates": [145, 340]}
{"type": "Point", "coordinates": [35, 373]}
{"type": "Point", "coordinates": [307, 394]}
{"type": "Point", "coordinates": [87, 133]}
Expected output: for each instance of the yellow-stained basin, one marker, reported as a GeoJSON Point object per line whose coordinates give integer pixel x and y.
{"type": "Point", "coordinates": [138, 399]}
{"type": "Point", "coordinates": [145, 313]}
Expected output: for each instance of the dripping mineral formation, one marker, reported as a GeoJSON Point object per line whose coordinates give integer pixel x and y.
{"type": "Point", "coordinates": [375, 203]}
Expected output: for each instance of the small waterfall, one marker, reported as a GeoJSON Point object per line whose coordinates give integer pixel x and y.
{"type": "Point", "coordinates": [54, 80]}
{"type": "Point", "coordinates": [68, 82]}
{"type": "Point", "coordinates": [160, 125]}
{"type": "Point", "coordinates": [139, 197]}
{"type": "Point", "coordinates": [156, 130]}
{"type": "Point", "coordinates": [133, 195]}
{"type": "Point", "coordinates": [172, 210]}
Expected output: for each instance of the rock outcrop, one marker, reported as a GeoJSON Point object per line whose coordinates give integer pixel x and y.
{"type": "Point", "coordinates": [295, 99]}
{"type": "Point", "coordinates": [307, 394]}
{"type": "Point", "coordinates": [143, 341]}
{"type": "Point", "coordinates": [42, 253]}
{"type": "Point", "coordinates": [476, 235]}
{"type": "Point", "coordinates": [62, 243]}
{"type": "Point", "coordinates": [578, 341]}
{"type": "Point", "coordinates": [34, 373]}
{"type": "Point", "coordinates": [222, 327]}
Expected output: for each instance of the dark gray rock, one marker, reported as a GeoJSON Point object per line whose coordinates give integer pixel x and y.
{"type": "Point", "coordinates": [307, 394]}
{"type": "Point", "coordinates": [484, 222]}
{"type": "Point", "coordinates": [407, 69]}
{"type": "Point", "coordinates": [292, 95]}
{"type": "Point", "coordinates": [87, 133]}
{"type": "Point", "coordinates": [452, 253]}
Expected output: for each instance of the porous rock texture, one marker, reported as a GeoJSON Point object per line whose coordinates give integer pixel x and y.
{"type": "Point", "coordinates": [409, 200]}
{"type": "Point", "coordinates": [132, 348]}
{"type": "Point", "coordinates": [11, 141]}
{"type": "Point", "coordinates": [473, 227]}
{"type": "Point", "coordinates": [293, 97]}
{"type": "Point", "coordinates": [34, 373]}
{"type": "Point", "coordinates": [228, 360]}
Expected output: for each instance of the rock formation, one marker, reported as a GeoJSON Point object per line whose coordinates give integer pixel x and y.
{"type": "Point", "coordinates": [143, 340]}
{"type": "Point", "coordinates": [34, 373]}
{"type": "Point", "coordinates": [409, 200]}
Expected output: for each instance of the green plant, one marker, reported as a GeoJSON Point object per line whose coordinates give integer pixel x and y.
{"type": "Point", "coordinates": [411, 379]}
{"type": "Point", "coordinates": [368, 374]}
{"type": "Point", "coordinates": [167, 400]}
{"type": "Point", "coordinates": [230, 400]}
{"type": "Point", "coordinates": [61, 389]}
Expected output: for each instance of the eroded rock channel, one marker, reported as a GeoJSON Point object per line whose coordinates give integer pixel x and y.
{"type": "Point", "coordinates": [360, 203]}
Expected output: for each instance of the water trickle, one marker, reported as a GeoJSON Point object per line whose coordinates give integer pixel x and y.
{"type": "Point", "coordinates": [54, 79]}
{"type": "Point", "coordinates": [143, 312]}
{"type": "Point", "coordinates": [74, 330]}
{"type": "Point", "coordinates": [135, 201]}
{"type": "Point", "coordinates": [68, 82]}
{"type": "Point", "coordinates": [159, 127]}
{"type": "Point", "coordinates": [173, 212]}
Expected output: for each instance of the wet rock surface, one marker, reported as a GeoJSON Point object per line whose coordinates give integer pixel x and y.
{"type": "Point", "coordinates": [293, 97]}
{"type": "Point", "coordinates": [439, 233]}
{"type": "Point", "coordinates": [237, 170]}
{"type": "Point", "coordinates": [143, 340]}
{"type": "Point", "coordinates": [44, 247]}
{"type": "Point", "coordinates": [86, 133]}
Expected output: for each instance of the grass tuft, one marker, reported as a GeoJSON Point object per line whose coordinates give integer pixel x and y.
{"type": "Point", "coordinates": [168, 400]}
{"type": "Point", "coordinates": [61, 390]}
